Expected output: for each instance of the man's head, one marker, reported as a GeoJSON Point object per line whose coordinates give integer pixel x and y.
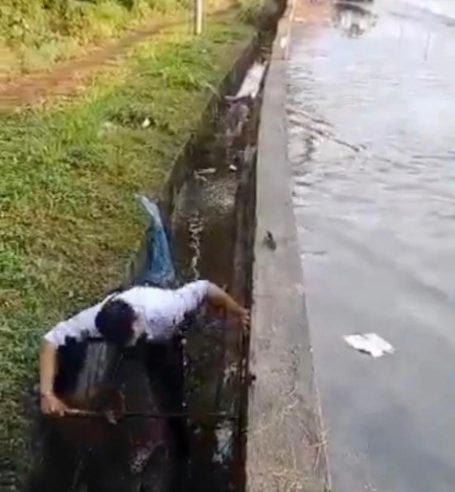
{"type": "Point", "coordinates": [115, 321]}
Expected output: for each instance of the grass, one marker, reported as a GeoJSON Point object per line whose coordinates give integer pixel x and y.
{"type": "Point", "coordinates": [35, 34]}
{"type": "Point", "coordinates": [68, 217]}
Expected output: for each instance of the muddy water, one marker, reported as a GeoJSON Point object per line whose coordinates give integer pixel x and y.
{"type": "Point", "coordinates": [371, 104]}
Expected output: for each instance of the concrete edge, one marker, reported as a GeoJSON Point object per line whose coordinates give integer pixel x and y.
{"type": "Point", "coordinates": [285, 447]}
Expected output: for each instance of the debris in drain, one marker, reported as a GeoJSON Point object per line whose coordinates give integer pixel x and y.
{"type": "Point", "coordinates": [232, 168]}
{"type": "Point", "coordinates": [200, 178]}
{"type": "Point", "coordinates": [224, 438]}
{"type": "Point", "coordinates": [111, 417]}
{"type": "Point", "coordinates": [200, 174]}
{"type": "Point", "coordinates": [370, 343]}
{"type": "Point", "coordinates": [269, 241]}
{"type": "Point", "coordinates": [159, 270]}
{"type": "Point", "coordinates": [252, 82]}
{"type": "Point", "coordinates": [230, 372]}
{"type": "Point", "coordinates": [249, 153]}
{"type": "Point", "coordinates": [207, 170]}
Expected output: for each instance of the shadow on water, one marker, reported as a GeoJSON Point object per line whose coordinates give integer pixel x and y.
{"type": "Point", "coordinates": [169, 417]}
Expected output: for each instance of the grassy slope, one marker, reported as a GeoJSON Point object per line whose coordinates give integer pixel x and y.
{"type": "Point", "coordinates": [68, 217]}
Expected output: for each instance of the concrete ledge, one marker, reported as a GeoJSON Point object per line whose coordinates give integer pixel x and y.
{"type": "Point", "coordinates": [285, 444]}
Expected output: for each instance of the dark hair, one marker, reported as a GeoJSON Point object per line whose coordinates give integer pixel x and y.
{"type": "Point", "coordinates": [115, 322]}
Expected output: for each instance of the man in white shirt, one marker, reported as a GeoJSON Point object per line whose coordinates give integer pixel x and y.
{"type": "Point", "coordinates": [124, 317]}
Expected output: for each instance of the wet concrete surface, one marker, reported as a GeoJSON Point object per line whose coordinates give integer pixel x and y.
{"type": "Point", "coordinates": [371, 99]}
{"type": "Point", "coordinates": [285, 446]}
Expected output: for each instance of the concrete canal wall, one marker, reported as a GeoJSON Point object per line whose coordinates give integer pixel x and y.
{"type": "Point", "coordinates": [285, 444]}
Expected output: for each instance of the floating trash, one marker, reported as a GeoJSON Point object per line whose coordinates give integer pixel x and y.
{"type": "Point", "coordinates": [370, 343]}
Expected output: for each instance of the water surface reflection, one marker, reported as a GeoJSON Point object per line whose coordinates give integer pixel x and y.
{"type": "Point", "coordinates": [372, 138]}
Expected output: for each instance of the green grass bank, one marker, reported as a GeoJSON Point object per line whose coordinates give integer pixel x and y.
{"type": "Point", "coordinates": [69, 221]}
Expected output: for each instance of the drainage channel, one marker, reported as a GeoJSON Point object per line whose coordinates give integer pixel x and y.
{"type": "Point", "coordinates": [213, 227]}
{"type": "Point", "coordinates": [184, 416]}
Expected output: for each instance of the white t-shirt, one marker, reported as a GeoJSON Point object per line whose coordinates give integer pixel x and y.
{"type": "Point", "coordinates": [160, 310]}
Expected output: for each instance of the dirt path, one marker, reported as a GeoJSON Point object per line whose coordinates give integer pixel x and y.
{"type": "Point", "coordinates": [67, 78]}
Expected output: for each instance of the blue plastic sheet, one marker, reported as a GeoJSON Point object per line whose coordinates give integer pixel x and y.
{"type": "Point", "coordinates": [159, 269]}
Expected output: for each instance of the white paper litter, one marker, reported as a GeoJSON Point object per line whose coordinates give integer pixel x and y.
{"type": "Point", "coordinates": [146, 123]}
{"type": "Point", "coordinates": [252, 82]}
{"type": "Point", "coordinates": [207, 170]}
{"type": "Point", "coordinates": [370, 343]}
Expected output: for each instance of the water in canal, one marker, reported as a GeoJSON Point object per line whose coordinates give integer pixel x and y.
{"type": "Point", "coordinates": [371, 108]}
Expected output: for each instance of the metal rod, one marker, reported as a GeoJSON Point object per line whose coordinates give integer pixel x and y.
{"type": "Point", "coordinates": [198, 13]}
{"type": "Point", "coordinates": [157, 415]}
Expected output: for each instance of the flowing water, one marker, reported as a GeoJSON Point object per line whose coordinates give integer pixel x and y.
{"type": "Point", "coordinates": [371, 105]}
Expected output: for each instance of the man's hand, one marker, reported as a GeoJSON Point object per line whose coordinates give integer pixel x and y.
{"type": "Point", "coordinates": [51, 405]}
{"type": "Point", "coordinates": [218, 298]}
{"type": "Point", "coordinates": [245, 318]}
{"type": "Point", "coordinates": [243, 315]}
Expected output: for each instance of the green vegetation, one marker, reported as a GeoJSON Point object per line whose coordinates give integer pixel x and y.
{"type": "Point", "coordinates": [253, 11]}
{"type": "Point", "coordinates": [37, 33]}
{"type": "Point", "coordinates": [69, 172]}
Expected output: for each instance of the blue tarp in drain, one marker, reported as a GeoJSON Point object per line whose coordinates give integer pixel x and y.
{"type": "Point", "coordinates": [159, 269]}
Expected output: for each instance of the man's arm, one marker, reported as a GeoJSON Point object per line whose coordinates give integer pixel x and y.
{"type": "Point", "coordinates": [76, 328]}
{"type": "Point", "coordinates": [193, 294]}
{"type": "Point", "coordinates": [50, 404]}
{"type": "Point", "coordinates": [220, 299]}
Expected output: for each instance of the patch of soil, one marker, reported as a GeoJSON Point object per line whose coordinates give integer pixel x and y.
{"type": "Point", "coordinates": [67, 78]}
